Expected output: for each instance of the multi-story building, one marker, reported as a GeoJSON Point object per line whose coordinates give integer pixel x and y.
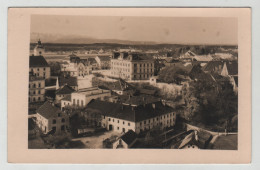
{"type": "Point", "coordinates": [131, 66]}
{"type": "Point", "coordinates": [50, 118]}
{"type": "Point", "coordinates": [74, 66]}
{"type": "Point", "coordinates": [36, 88]}
{"type": "Point", "coordinates": [104, 61]}
{"type": "Point", "coordinates": [82, 97]}
{"type": "Point", "coordinates": [39, 67]}
{"type": "Point", "coordinates": [122, 118]}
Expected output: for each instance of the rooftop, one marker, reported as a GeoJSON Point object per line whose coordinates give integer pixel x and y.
{"type": "Point", "coordinates": [65, 90]}
{"type": "Point", "coordinates": [127, 112]}
{"type": "Point", "coordinates": [38, 61]}
{"type": "Point", "coordinates": [70, 81]}
{"type": "Point", "coordinates": [48, 111]}
{"type": "Point", "coordinates": [129, 137]}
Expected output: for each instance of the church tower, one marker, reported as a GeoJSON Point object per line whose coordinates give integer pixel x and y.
{"type": "Point", "coordinates": [39, 49]}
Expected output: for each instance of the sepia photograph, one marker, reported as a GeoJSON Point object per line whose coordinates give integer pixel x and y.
{"type": "Point", "coordinates": [133, 82]}
{"type": "Point", "coordinates": [151, 85]}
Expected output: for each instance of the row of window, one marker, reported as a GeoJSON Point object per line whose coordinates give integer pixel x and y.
{"type": "Point", "coordinates": [119, 64]}
{"type": "Point", "coordinates": [121, 69]}
{"type": "Point", "coordinates": [143, 65]}
{"type": "Point", "coordinates": [157, 119]}
{"type": "Point", "coordinates": [38, 69]}
{"type": "Point", "coordinates": [142, 70]}
{"type": "Point", "coordinates": [54, 120]}
{"type": "Point", "coordinates": [78, 104]}
{"type": "Point", "coordinates": [35, 92]}
{"type": "Point", "coordinates": [118, 121]}
{"type": "Point", "coordinates": [34, 85]}
{"type": "Point", "coordinates": [35, 99]}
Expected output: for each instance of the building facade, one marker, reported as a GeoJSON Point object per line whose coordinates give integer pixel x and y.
{"type": "Point", "coordinates": [50, 118]}
{"type": "Point", "coordinates": [131, 66]}
{"type": "Point", "coordinates": [36, 89]}
{"type": "Point", "coordinates": [122, 118]}
{"type": "Point", "coordinates": [82, 97]}
{"type": "Point", "coordinates": [74, 66]}
{"type": "Point", "coordinates": [39, 67]}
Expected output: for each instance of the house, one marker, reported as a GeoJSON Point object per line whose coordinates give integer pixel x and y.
{"type": "Point", "coordinates": [82, 97]}
{"type": "Point", "coordinates": [132, 66]}
{"type": "Point", "coordinates": [70, 81]}
{"type": "Point", "coordinates": [36, 88]}
{"type": "Point", "coordinates": [121, 118]}
{"type": "Point", "coordinates": [126, 140]}
{"type": "Point", "coordinates": [74, 66]}
{"type": "Point", "coordinates": [121, 87]}
{"type": "Point", "coordinates": [39, 66]}
{"type": "Point", "coordinates": [104, 61]}
{"type": "Point", "coordinates": [50, 118]}
{"type": "Point", "coordinates": [63, 92]}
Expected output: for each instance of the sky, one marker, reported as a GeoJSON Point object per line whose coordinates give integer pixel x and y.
{"type": "Point", "coordinates": [175, 30]}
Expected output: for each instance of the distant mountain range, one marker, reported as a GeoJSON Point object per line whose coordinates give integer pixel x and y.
{"type": "Point", "coordinates": [77, 39]}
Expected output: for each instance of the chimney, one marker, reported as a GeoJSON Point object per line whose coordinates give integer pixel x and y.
{"type": "Point", "coordinates": [196, 136]}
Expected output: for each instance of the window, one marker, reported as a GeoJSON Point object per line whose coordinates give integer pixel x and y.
{"type": "Point", "coordinates": [38, 69]}
{"type": "Point", "coordinates": [39, 98]}
{"type": "Point", "coordinates": [113, 120]}
{"type": "Point", "coordinates": [39, 85]}
{"type": "Point", "coordinates": [44, 69]}
{"type": "Point", "coordinates": [78, 102]}
{"type": "Point", "coordinates": [128, 124]}
{"type": "Point", "coordinates": [81, 102]}
{"type": "Point", "coordinates": [123, 122]}
{"type": "Point", "coordinates": [157, 118]}
{"type": "Point", "coordinates": [63, 120]}
{"type": "Point", "coordinates": [117, 128]}
{"type": "Point", "coordinates": [59, 114]}
{"type": "Point", "coordinates": [145, 122]}
{"type": "Point", "coordinates": [33, 92]}
{"type": "Point", "coordinates": [54, 121]}
{"type": "Point", "coordinates": [109, 119]}
{"type": "Point", "coordinates": [118, 121]}
{"type": "Point", "coordinates": [123, 130]}
{"type": "Point", "coordinates": [34, 85]}
{"type": "Point", "coordinates": [39, 91]}
{"type": "Point", "coordinates": [140, 123]}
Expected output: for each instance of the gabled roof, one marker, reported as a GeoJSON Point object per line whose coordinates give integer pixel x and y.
{"type": "Point", "coordinates": [127, 112]}
{"type": "Point", "coordinates": [65, 90]}
{"type": "Point", "coordinates": [70, 81]}
{"type": "Point", "coordinates": [38, 61]}
{"type": "Point", "coordinates": [129, 137]}
{"type": "Point", "coordinates": [51, 81]}
{"type": "Point", "coordinates": [48, 111]}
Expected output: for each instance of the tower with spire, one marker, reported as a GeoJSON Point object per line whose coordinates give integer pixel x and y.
{"type": "Point", "coordinates": [39, 49]}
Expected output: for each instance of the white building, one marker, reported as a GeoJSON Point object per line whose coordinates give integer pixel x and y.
{"type": "Point", "coordinates": [122, 118]}
{"type": "Point", "coordinates": [82, 97]}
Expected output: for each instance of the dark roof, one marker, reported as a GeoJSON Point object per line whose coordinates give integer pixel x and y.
{"type": "Point", "coordinates": [38, 61]}
{"type": "Point", "coordinates": [71, 81]}
{"type": "Point", "coordinates": [50, 82]}
{"type": "Point", "coordinates": [65, 90]}
{"type": "Point", "coordinates": [50, 93]}
{"type": "Point", "coordinates": [129, 137]}
{"type": "Point", "coordinates": [104, 58]}
{"type": "Point", "coordinates": [67, 98]}
{"type": "Point", "coordinates": [213, 65]}
{"type": "Point", "coordinates": [232, 67]}
{"type": "Point", "coordinates": [48, 111]}
{"type": "Point", "coordinates": [127, 112]}
{"type": "Point", "coordinates": [138, 100]}
{"type": "Point", "coordinates": [119, 85]}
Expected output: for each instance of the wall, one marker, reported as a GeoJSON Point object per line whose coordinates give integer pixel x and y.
{"type": "Point", "coordinates": [36, 90]}
{"type": "Point", "coordinates": [41, 71]}
{"type": "Point", "coordinates": [118, 127]}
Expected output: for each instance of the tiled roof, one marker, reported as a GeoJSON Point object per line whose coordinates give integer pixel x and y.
{"type": "Point", "coordinates": [71, 81]}
{"type": "Point", "coordinates": [213, 65]}
{"type": "Point", "coordinates": [129, 137]}
{"type": "Point", "coordinates": [47, 110]}
{"type": "Point", "coordinates": [120, 85]}
{"type": "Point", "coordinates": [65, 90]}
{"type": "Point", "coordinates": [127, 112]}
{"type": "Point", "coordinates": [50, 82]}
{"type": "Point", "coordinates": [138, 100]}
{"type": "Point", "coordinates": [38, 61]}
